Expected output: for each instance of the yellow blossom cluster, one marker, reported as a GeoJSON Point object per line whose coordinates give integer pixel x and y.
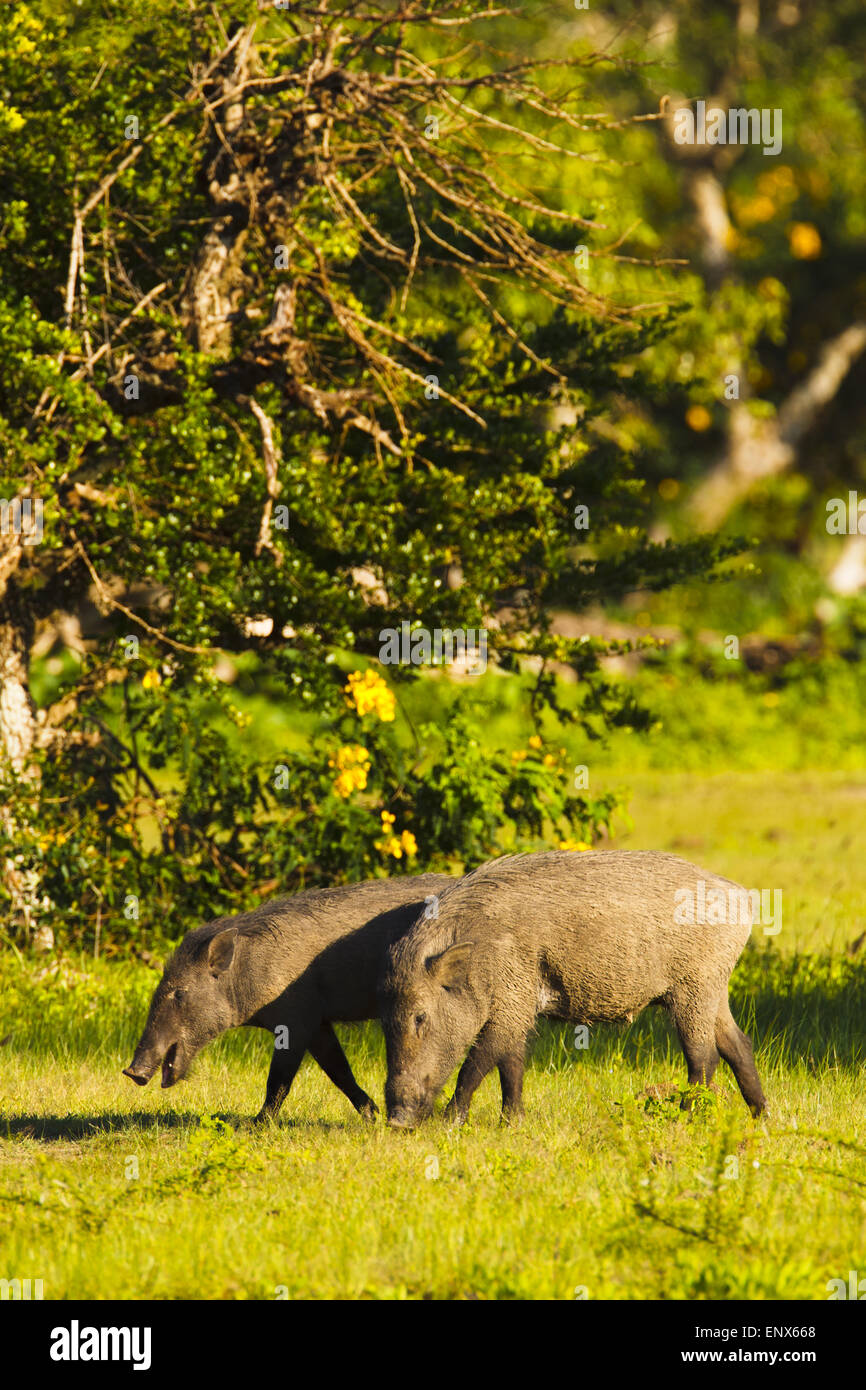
{"type": "Point", "coordinates": [536, 744]}
{"type": "Point", "coordinates": [396, 845]}
{"type": "Point", "coordinates": [804, 240]}
{"type": "Point", "coordinates": [573, 844]}
{"type": "Point", "coordinates": [52, 837]}
{"type": "Point", "coordinates": [698, 418]}
{"type": "Point", "coordinates": [367, 691]}
{"type": "Point", "coordinates": [353, 764]}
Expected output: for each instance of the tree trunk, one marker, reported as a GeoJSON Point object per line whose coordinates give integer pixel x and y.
{"type": "Point", "coordinates": [214, 288]}
{"type": "Point", "coordinates": [762, 448]}
{"type": "Point", "coordinates": [17, 715]}
{"type": "Point", "coordinates": [17, 737]}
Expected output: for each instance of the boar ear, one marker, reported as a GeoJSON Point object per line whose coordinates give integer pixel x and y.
{"type": "Point", "coordinates": [450, 969]}
{"type": "Point", "coordinates": [221, 950]}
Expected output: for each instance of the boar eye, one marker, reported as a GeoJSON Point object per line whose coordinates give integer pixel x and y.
{"type": "Point", "coordinates": [420, 1019]}
{"type": "Point", "coordinates": [178, 994]}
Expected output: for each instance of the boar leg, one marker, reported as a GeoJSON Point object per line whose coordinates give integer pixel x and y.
{"type": "Point", "coordinates": [478, 1063]}
{"type": "Point", "coordinates": [284, 1065]}
{"type": "Point", "coordinates": [326, 1049]}
{"type": "Point", "coordinates": [489, 1051]}
{"type": "Point", "coordinates": [698, 1042]}
{"type": "Point", "coordinates": [737, 1052]}
{"type": "Point", "coordinates": [511, 1070]}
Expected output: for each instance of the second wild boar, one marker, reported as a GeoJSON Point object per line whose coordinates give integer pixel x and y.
{"type": "Point", "coordinates": [592, 937]}
{"type": "Point", "coordinates": [293, 966]}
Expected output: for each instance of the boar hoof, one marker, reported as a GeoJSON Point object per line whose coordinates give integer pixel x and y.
{"type": "Point", "coordinates": [368, 1110]}
{"type": "Point", "coordinates": [512, 1116]}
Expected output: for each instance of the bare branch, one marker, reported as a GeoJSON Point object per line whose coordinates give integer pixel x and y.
{"type": "Point", "coordinates": [269, 453]}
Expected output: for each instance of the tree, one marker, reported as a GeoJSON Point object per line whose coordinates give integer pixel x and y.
{"type": "Point", "coordinates": [288, 299]}
{"type": "Point", "coordinates": [764, 377]}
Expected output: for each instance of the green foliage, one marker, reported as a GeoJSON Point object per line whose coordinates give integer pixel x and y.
{"type": "Point", "coordinates": [389, 503]}
{"type": "Point", "coordinates": [560, 387]}
{"type": "Point", "coordinates": [366, 795]}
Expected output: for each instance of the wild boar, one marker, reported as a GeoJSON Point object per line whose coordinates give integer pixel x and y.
{"type": "Point", "coordinates": [295, 964]}
{"type": "Point", "coordinates": [592, 937]}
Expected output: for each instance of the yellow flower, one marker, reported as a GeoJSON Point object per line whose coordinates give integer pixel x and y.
{"type": "Point", "coordinates": [368, 692]}
{"type": "Point", "coordinates": [805, 241]}
{"type": "Point", "coordinates": [518, 755]}
{"type": "Point", "coordinates": [353, 764]}
{"type": "Point", "coordinates": [698, 418]}
{"type": "Point", "coordinates": [534, 741]}
{"type": "Point", "coordinates": [150, 680]}
{"type": "Point", "coordinates": [573, 844]}
{"type": "Point", "coordinates": [345, 783]}
{"type": "Point", "coordinates": [349, 755]}
{"type": "Point", "coordinates": [396, 845]}
{"type": "Point", "coordinates": [771, 289]}
{"type": "Point", "coordinates": [760, 209]}
{"type": "Point", "coordinates": [782, 177]}
{"type": "Point", "coordinates": [549, 760]}
{"type": "Point", "coordinates": [390, 846]}
{"type": "Point", "coordinates": [11, 119]}
{"type": "Point", "coordinates": [409, 843]}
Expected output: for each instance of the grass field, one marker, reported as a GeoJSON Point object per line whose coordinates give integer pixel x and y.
{"type": "Point", "coordinates": [608, 1190]}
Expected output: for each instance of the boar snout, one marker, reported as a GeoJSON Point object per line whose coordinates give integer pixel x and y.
{"type": "Point", "coordinates": [138, 1077]}
{"type": "Point", "coordinates": [144, 1064]}
{"type": "Point", "coordinates": [400, 1118]}
{"type": "Point", "coordinates": [145, 1060]}
{"type": "Point", "coordinates": [407, 1102]}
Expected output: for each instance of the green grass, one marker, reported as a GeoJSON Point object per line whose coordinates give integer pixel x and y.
{"type": "Point", "coordinates": [607, 1187]}
{"type": "Point", "coordinates": [801, 832]}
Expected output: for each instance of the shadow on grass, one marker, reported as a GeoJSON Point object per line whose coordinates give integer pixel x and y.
{"type": "Point", "coordinates": [807, 1008]}
{"type": "Point", "coordinates": [55, 1128]}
